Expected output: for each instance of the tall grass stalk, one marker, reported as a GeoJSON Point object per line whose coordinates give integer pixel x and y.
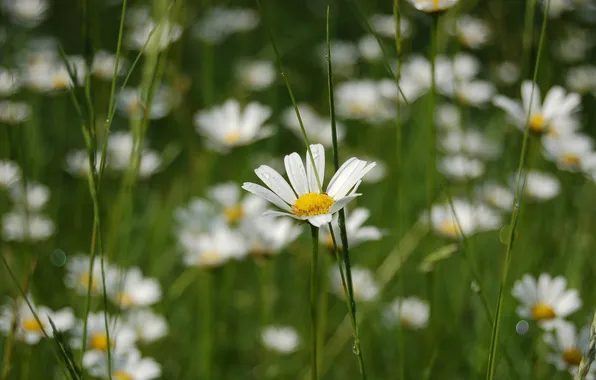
{"type": "Point", "coordinates": [347, 280]}
{"type": "Point", "coordinates": [205, 349]}
{"type": "Point", "coordinates": [432, 129]}
{"type": "Point", "coordinates": [314, 276]}
{"type": "Point", "coordinates": [589, 355]}
{"type": "Point", "coordinates": [528, 36]}
{"type": "Point", "coordinates": [521, 175]}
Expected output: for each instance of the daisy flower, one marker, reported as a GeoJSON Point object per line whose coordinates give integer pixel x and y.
{"type": "Point", "coordinates": [568, 152]}
{"type": "Point", "coordinates": [412, 312]}
{"type": "Point", "coordinates": [470, 142]}
{"type": "Point", "coordinates": [120, 155]}
{"type": "Point", "coordinates": [364, 285]}
{"type": "Point", "coordinates": [14, 112]}
{"type": "Point", "coordinates": [124, 366]}
{"type": "Point", "coordinates": [376, 174]}
{"type": "Point", "coordinates": [228, 126]}
{"type": "Point", "coordinates": [148, 325]}
{"type": "Point", "coordinates": [213, 249]}
{"type": "Point", "coordinates": [256, 75]}
{"type": "Point", "coordinates": [472, 32]}
{"type": "Point", "coordinates": [544, 118]}
{"type": "Point", "coordinates": [226, 198]}
{"type": "Point", "coordinates": [369, 48]}
{"type": "Point", "coordinates": [268, 237]}
{"type": "Point", "coordinates": [384, 25]}
{"type": "Point", "coordinates": [33, 197]}
{"type": "Point", "coordinates": [304, 199]}
{"type": "Point", "coordinates": [29, 13]}
{"type": "Point", "coordinates": [129, 289]}
{"type": "Point", "coordinates": [362, 100]}
{"type": "Point", "coordinates": [466, 87]}
{"type": "Point", "coordinates": [540, 186]}
{"type": "Point", "coordinates": [448, 116]}
{"type": "Point", "coordinates": [77, 274]}
{"type": "Point", "coordinates": [344, 56]}
{"type": "Point", "coordinates": [556, 7]}
{"type": "Point", "coordinates": [317, 128]}
{"type": "Point", "coordinates": [546, 299]}
{"type": "Point", "coordinates": [10, 173]}
{"type": "Point", "coordinates": [497, 196]}
{"type": "Point", "coordinates": [28, 329]}
{"type": "Point", "coordinates": [431, 6]}
{"type": "Point", "coordinates": [568, 346]}
{"type": "Point", "coordinates": [10, 81]}
{"type": "Point", "coordinates": [104, 65]}
{"type": "Point", "coordinates": [21, 226]}
{"type": "Point", "coordinates": [461, 168]}
{"type": "Point", "coordinates": [122, 335]}
{"type": "Point", "coordinates": [574, 46]}
{"type": "Point", "coordinates": [77, 163]}
{"type": "Point", "coordinates": [153, 36]}
{"type": "Point", "coordinates": [417, 71]}
{"type": "Point", "coordinates": [355, 231]}
{"type": "Point", "coordinates": [281, 339]}
{"type": "Point", "coordinates": [219, 23]}
{"type": "Point", "coordinates": [470, 217]}
{"type": "Point", "coordinates": [130, 103]}
{"type": "Point", "coordinates": [581, 79]}
{"type": "Point", "coordinates": [507, 72]}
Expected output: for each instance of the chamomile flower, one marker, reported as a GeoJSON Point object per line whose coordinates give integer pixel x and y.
{"type": "Point", "coordinates": [125, 366]}
{"type": "Point", "coordinates": [540, 186]}
{"type": "Point", "coordinates": [497, 196]}
{"type": "Point", "coordinates": [10, 82]}
{"type": "Point", "coordinates": [384, 25]}
{"type": "Point", "coordinates": [219, 23]}
{"type": "Point", "coordinates": [318, 129]}
{"type": "Point", "coordinates": [131, 103]}
{"type": "Point", "coordinates": [10, 173]}
{"type": "Point", "coordinates": [376, 174]}
{"type": "Point", "coordinates": [543, 118]}
{"type": "Point", "coordinates": [268, 237]}
{"type": "Point", "coordinates": [546, 299]}
{"type": "Point", "coordinates": [556, 7]}
{"type": "Point", "coordinates": [581, 79]}
{"type": "Point", "coordinates": [227, 199]}
{"type": "Point", "coordinates": [29, 13]}
{"type": "Point", "coordinates": [369, 48]}
{"type": "Point", "coordinates": [470, 142]}
{"type": "Point", "coordinates": [256, 75]}
{"type": "Point", "coordinates": [229, 126]}
{"type": "Point", "coordinates": [412, 312]}
{"type": "Point", "coordinates": [14, 112]}
{"type": "Point", "coordinates": [507, 72]}
{"type": "Point", "coordinates": [344, 56]}
{"type": "Point", "coordinates": [469, 217]}
{"type": "Point", "coordinates": [305, 200]}
{"type": "Point", "coordinates": [28, 329]}
{"type": "Point", "coordinates": [130, 289]}
{"type": "Point", "coordinates": [120, 154]}
{"type": "Point", "coordinates": [448, 116]}
{"type": "Point", "coordinates": [151, 35]}
{"type": "Point", "coordinates": [281, 339]}
{"type": "Point", "coordinates": [33, 197]}
{"type": "Point", "coordinates": [416, 76]}
{"type": "Point", "coordinates": [53, 75]}
{"type": "Point", "coordinates": [568, 346]}
{"type": "Point", "coordinates": [104, 65]}
{"type": "Point", "coordinates": [432, 6]}
{"type": "Point", "coordinates": [356, 232]}
{"type": "Point", "coordinates": [362, 100]}
{"type": "Point", "coordinates": [472, 32]}
{"type": "Point", "coordinates": [574, 46]}
{"type": "Point", "coordinates": [568, 152]}
{"type": "Point", "coordinates": [213, 249]}
{"type": "Point", "coordinates": [364, 284]}
{"type": "Point", "coordinates": [21, 226]}
{"type": "Point", "coordinates": [77, 163]}
{"type": "Point", "coordinates": [148, 325]}
{"type": "Point", "coordinates": [196, 218]}
{"type": "Point", "coordinates": [466, 87]}
{"type": "Point", "coordinates": [77, 274]}
{"type": "Point", "coordinates": [122, 336]}
{"type": "Point", "coordinates": [461, 168]}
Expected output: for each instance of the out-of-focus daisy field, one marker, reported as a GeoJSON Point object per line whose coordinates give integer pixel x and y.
{"type": "Point", "coordinates": [353, 189]}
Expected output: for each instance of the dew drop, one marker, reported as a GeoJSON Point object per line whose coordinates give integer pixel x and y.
{"type": "Point", "coordinates": [522, 327]}
{"type": "Point", "coordinates": [475, 287]}
{"type": "Point", "coordinates": [355, 349]}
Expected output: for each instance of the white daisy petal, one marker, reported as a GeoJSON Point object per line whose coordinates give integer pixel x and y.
{"type": "Point", "coordinates": [296, 173]}
{"type": "Point", "coordinates": [342, 203]}
{"type": "Point", "coordinates": [276, 183]}
{"type": "Point", "coordinates": [318, 155]}
{"type": "Point", "coordinates": [319, 220]}
{"type": "Point", "coordinates": [266, 194]}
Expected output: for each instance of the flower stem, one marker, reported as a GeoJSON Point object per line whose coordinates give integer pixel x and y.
{"type": "Point", "coordinates": [590, 354]}
{"type": "Point", "coordinates": [490, 372]}
{"type": "Point", "coordinates": [314, 269]}
{"type": "Point", "coordinates": [206, 337]}
{"type": "Point", "coordinates": [432, 139]}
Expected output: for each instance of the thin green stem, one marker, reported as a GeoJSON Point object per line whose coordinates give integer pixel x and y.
{"type": "Point", "coordinates": [432, 138]}
{"type": "Point", "coordinates": [206, 312]}
{"type": "Point", "coordinates": [314, 275]}
{"type": "Point", "coordinates": [528, 36]}
{"type": "Point", "coordinates": [490, 372]}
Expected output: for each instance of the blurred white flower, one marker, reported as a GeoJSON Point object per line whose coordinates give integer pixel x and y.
{"type": "Point", "coordinates": [465, 87]}
{"type": "Point", "coordinates": [344, 56]}
{"type": "Point", "coordinates": [228, 126]}
{"type": "Point", "coordinates": [214, 248]}
{"type": "Point", "coordinates": [10, 81]}
{"type": "Point", "coordinates": [268, 236]}
{"type": "Point", "coordinates": [540, 186]}
{"type": "Point", "coordinates": [29, 13]}
{"type": "Point", "coordinates": [581, 79]}
{"type": "Point", "coordinates": [369, 48]}
{"type": "Point", "coordinates": [568, 346]}
{"type": "Point", "coordinates": [469, 142]}
{"type": "Point", "coordinates": [507, 72]}
{"type": "Point", "coordinates": [412, 312]}
{"type": "Point", "coordinates": [122, 336]}
{"type": "Point", "coordinates": [556, 7]}
{"type": "Point", "coordinates": [568, 152]}
{"type": "Point", "coordinates": [305, 199]}
{"type": "Point", "coordinates": [256, 75]}
{"type": "Point", "coordinates": [77, 274]}
{"type": "Point", "coordinates": [318, 129]}
{"type": "Point", "coordinates": [129, 289]}
{"type": "Point", "coordinates": [28, 329]}
{"type": "Point", "coordinates": [497, 196]}
{"type": "Point", "coordinates": [153, 36]}
{"type": "Point", "coordinates": [384, 25]}
{"type": "Point", "coordinates": [355, 231]}
{"type": "Point", "coordinates": [364, 284]}
{"type": "Point", "coordinates": [431, 6]}
{"type": "Point", "coordinates": [77, 163]}
{"type": "Point", "coordinates": [10, 173]}
{"type": "Point", "coordinates": [220, 23]}
{"type": "Point", "coordinates": [226, 198]}
{"type": "Point", "coordinates": [14, 112]}
{"type": "Point", "coordinates": [547, 117]}
{"type": "Point", "coordinates": [545, 299]}
{"type": "Point", "coordinates": [460, 167]}
{"type": "Point", "coordinates": [416, 76]}
{"type": "Point", "coordinates": [470, 217]}
{"type": "Point", "coordinates": [104, 65]}
{"type": "Point", "coordinates": [120, 155]}
{"type": "Point", "coordinates": [52, 75]}
{"type": "Point", "coordinates": [472, 32]}
{"type": "Point", "coordinates": [148, 325]}
{"type": "Point", "coordinates": [33, 197]}
{"type": "Point", "coordinates": [363, 100]}
{"type": "Point", "coordinates": [21, 226]}
{"type": "Point", "coordinates": [574, 45]}
{"type": "Point", "coordinates": [448, 116]}
{"type": "Point", "coordinates": [125, 366]}
{"type": "Point", "coordinates": [281, 339]}
{"type": "Point", "coordinates": [131, 103]}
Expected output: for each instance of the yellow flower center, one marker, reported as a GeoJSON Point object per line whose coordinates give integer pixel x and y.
{"type": "Point", "coordinates": [232, 137]}
{"type": "Point", "coordinates": [121, 375]}
{"type": "Point", "coordinates": [570, 160]}
{"type": "Point", "coordinates": [357, 109]}
{"type": "Point", "coordinates": [84, 282]}
{"type": "Point", "coordinates": [125, 300]}
{"type": "Point", "coordinates": [435, 4]}
{"type": "Point", "coordinates": [210, 259]}
{"type": "Point", "coordinates": [537, 124]}
{"type": "Point", "coordinates": [233, 214]}
{"type": "Point", "coordinates": [32, 325]}
{"type": "Point", "coordinates": [99, 342]}
{"type": "Point", "coordinates": [311, 204]}
{"type": "Point", "coordinates": [134, 107]}
{"type": "Point", "coordinates": [542, 312]}
{"type": "Point", "coordinates": [449, 228]}
{"type": "Point", "coordinates": [60, 82]}
{"type": "Point", "coordinates": [572, 356]}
